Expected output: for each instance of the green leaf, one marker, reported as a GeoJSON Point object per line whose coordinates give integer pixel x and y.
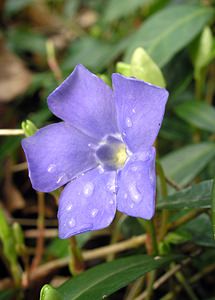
{"type": "Point", "coordinates": [60, 248]}
{"type": "Point", "coordinates": [7, 294]}
{"type": "Point", "coordinates": [116, 9]}
{"type": "Point", "coordinates": [142, 67]}
{"type": "Point", "coordinates": [101, 53]}
{"type": "Point", "coordinates": [21, 39]}
{"type": "Point", "coordinates": [184, 164]}
{"type": "Point", "coordinates": [14, 6]}
{"type": "Point", "coordinates": [201, 51]}
{"type": "Point", "coordinates": [49, 293]}
{"type": "Point", "coordinates": [196, 196]}
{"type": "Point", "coordinates": [213, 207]}
{"type": "Point", "coordinates": [168, 31]}
{"type": "Point", "coordinates": [105, 279]}
{"type": "Point", "coordinates": [197, 113]}
{"type": "Point", "coordinates": [9, 250]}
{"type": "Point", "coordinates": [201, 231]}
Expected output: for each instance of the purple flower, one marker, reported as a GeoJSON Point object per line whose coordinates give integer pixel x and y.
{"type": "Point", "coordinates": [103, 150]}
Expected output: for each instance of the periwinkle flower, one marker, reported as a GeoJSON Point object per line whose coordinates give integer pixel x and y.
{"type": "Point", "coordinates": [102, 150]}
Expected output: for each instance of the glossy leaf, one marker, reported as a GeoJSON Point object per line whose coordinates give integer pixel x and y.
{"type": "Point", "coordinates": [184, 164]}
{"type": "Point", "coordinates": [201, 231]}
{"type": "Point", "coordinates": [105, 279]}
{"type": "Point", "coordinates": [202, 51]}
{"type": "Point", "coordinates": [169, 30]}
{"type": "Point", "coordinates": [213, 207]}
{"type": "Point", "coordinates": [197, 113]}
{"type": "Point", "coordinates": [115, 10]}
{"type": "Point", "coordinates": [142, 67]}
{"type": "Point", "coordinates": [196, 196]}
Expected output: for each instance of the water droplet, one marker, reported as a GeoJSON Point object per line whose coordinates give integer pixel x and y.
{"type": "Point", "coordinates": [90, 145]}
{"type": "Point", "coordinates": [101, 170]}
{"type": "Point", "coordinates": [94, 212]}
{"type": "Point", "coordinates": [88, 189]}
{"type": "Point", "coordinates": [51, 168]}
{"type": "Point", "coordinates": [125, 195]}
{"type": "Point", "coordinates": [72, 223]}
{"type": "Point", "coordinates": [134, 168]}
{"type": "Point", "coordinates": [111, 187]}
{"type": "Point", "coordinates": [152, 175]}
{"type": "Point", "coordinates": [60, 178]}
{"type": "Point", "coordinates": [134, 193]}
{"type": "Point", "coordinates": [128, 122]}
{"type": "Point", "coordinates": [133, 110]}
{"type": "Point", "coordinates": [131, 205]}
{"type": "Point", "coordinates": [69, 207]}
{"type": "Point", "coordinates": [111, 202]}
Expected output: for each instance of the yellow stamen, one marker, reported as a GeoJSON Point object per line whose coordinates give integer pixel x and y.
{"type": "Point", "coordinates": [120, 156]}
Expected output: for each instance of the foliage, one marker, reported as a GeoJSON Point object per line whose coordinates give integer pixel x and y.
{"type": "Point", "coordinates": [166, 43]}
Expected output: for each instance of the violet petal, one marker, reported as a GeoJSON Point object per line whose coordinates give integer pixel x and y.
{"type": "Point", "coordinates": [56, 154]}
{"type": "Point", "coordinates": [86, 102]}
{"type": "Point", "coordinates": [137, 186]}
{"type": "Point", "coordinates": [87, 203]}
{"type": "Point", "coordinates": [140, 108]}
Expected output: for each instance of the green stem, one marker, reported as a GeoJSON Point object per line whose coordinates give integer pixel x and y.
{"type": "Point", "coordinates": [152, 248]}
{"type": "Point", "coordinates": [164, 193]}
{"type": "Point", "coordinates": [150, 283]}
{"type": "Point", "coordinates": [181, 279]}
{"type": "Point", "coordinates": [213, 208]}
{"type": "Point", "coordinates": [76, 264]}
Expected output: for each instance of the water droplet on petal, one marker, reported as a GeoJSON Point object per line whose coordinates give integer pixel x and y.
{"type": "Point", "coordinates": [134, 193]}
{"type": "Point", "coordinates": [72, 223]}
{"type": "Point", "coordinates": [60, 178]}
{"type": "Point", "coordinates": [101, 170]}
{"type": "Point", "coordinates": [88, 189]}
{"type": "Point", "coordinates": [128, 122]}
{"type": "Point", "coordinates": [133, 110]}
{"type": "Point", "coordinates": [111, 202]}
{"type": "Point", "coordinates": [125, 195]}
{"type": "Point", "coordinates": [51, 168]}
{"type": "Point", "coordinates": [111, 186]}
{"type": "Point", "coordinates": [134, 168]}
{"type": "Point", "coordinates": [94, 212]}
{"type": "Point", "coordinates": [69, 207]}
{"type": "Point", "coordinates": [131, 205]}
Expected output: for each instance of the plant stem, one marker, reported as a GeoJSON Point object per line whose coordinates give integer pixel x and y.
{"type": "Point", "coordinates": [191, 215]}
{"type": "Point", "coordinates": [152, 248]}
{"type": "Point", "coordinates": [76, 264]}
{"type": "Point", "coordinates": [40, 227]}
{"type": "Point", "coordinates": [181, 279]}
{"type": "Point", "coordinates": [8, 132]}
{"type": "Point", "coordinates": [164, 193]}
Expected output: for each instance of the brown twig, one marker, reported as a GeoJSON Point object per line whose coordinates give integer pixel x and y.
{"type": "Point", "coordinates": [101, 252]}
{"type": "Point", "coordinates": [191, 215]}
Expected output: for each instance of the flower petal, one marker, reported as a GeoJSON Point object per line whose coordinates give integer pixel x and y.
{"type": "Point", "coordinates": [87, 203]}
{"type": "Point", "coordinates": [56, 154]}
{"type": "Point", "coordinates": [137, 186]}
{"type": "Point", "coordinates": [86, 102]}
{"type": "Point", "coordinates": [140, 108]}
